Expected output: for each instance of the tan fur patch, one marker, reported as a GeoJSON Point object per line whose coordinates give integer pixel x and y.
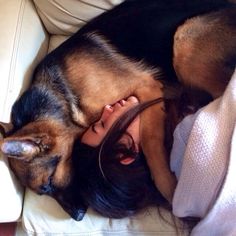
{"type": "Point", "coordinates": [202, 47]}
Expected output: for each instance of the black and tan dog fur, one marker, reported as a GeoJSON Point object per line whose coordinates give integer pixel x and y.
{"type": "Point", "coordinates": [137, 48]}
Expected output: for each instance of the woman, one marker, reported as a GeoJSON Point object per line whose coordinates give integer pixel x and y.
{"type": "Point", "coordinates": [109, 150]}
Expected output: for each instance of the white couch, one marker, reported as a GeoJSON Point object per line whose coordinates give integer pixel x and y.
{"type": "Point", "coordinates": [29, 30]}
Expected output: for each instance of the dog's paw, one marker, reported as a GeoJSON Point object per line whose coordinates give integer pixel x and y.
{"type": "Point", "coordinates": [72, 204]}
{"type": "Point", "coordinates": [78, 214]}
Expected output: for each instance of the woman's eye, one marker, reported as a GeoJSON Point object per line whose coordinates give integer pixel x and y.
{"type": "Point", "coordinates": [97, 125]}
{"type": "Point", "coordinates": [93, 127]}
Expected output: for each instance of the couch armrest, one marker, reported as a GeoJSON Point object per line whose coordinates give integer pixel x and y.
{"type": "Point", "coordinates": [11, 197]}
{"type": "Point", "coordinates": [23, 44]}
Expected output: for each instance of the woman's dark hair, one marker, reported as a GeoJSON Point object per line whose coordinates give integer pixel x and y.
{"type": "Point", "coordinates": [109, 187]}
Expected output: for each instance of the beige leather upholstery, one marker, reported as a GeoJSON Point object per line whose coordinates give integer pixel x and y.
{"type": "Point", "coordinates": [65, 19]}
{"type": "Point", "coordinates": [44, 216]}
{"type": "Point", "coordinates": [23, 43]}
{"type": "Point", "coordinates": [11, 197]}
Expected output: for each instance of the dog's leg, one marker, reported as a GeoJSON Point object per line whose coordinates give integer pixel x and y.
{"type": "Point", "coordinates": [205, 51]}
{"type": "Point", "coordinates": [152, 133]}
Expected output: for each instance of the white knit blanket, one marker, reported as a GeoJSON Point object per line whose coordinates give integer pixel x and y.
{"type": "Point", "coordinates": [207, 182]}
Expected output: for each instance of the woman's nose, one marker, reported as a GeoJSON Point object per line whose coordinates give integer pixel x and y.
{"type": "Point", "coordinates": [107, 111]}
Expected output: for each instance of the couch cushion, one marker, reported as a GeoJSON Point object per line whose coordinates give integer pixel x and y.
{"type": "Point", "coordinates": [65, 19]}
{"type": "Point", "coordinates": [43, 216]}
{"type": "Point", "coordinates": [23, 43]}
{"type": "Point", "coordinates": [11, 197]}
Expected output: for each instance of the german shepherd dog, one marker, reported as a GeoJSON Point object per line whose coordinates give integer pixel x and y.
{"type": "Point", "coordinates": [141, 48]}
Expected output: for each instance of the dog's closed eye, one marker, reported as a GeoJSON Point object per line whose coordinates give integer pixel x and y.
{"type": "Point", "coordinates": [53, 162]}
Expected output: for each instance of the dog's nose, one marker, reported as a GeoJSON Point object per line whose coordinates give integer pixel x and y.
{"type": "Point", "coordinates": [45, 189]}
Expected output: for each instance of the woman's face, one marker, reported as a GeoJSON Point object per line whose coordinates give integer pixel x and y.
{"type": "Point", "coordinates": [96, 132]}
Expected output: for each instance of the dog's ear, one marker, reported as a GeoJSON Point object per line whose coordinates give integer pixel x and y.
{"type": "Point", "coordinates": [24, 148]}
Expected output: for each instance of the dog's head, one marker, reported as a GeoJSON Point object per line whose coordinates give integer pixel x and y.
{"type": "Point", "coordinates": [40, 156]}
{"type": "Point", "coordinates": [40, 142]}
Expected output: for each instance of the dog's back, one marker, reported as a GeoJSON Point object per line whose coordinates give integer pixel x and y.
{"type": "Point", "coordinates": [144, 29]}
